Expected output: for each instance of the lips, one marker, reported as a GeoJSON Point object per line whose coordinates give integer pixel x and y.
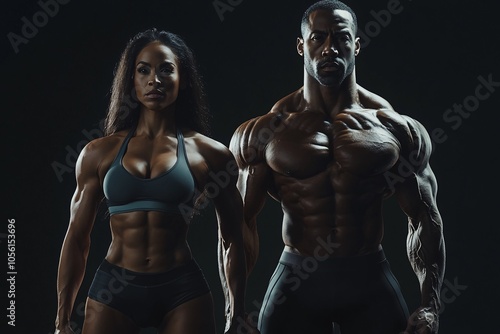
{"type": "Point", "coordinates": [155, 94]}
{"type": "Point", "coordinates": [329, 64]}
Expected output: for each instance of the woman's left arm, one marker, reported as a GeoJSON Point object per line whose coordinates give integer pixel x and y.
{"type": "Point", "coordinates": [223, 176]}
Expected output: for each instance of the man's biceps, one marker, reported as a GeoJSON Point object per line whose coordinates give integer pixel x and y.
{"type": "Point", "coordinates": [259, 174]}
{"type": "Point", "coordinates": [409, 198]}
{"type": "Point", "coordinates": [428, 179]}
{"type": "Point", "coordinates": [255, 191]}
{"type": "Point", "coordinates": [426, 185]}
{"type": "Point", "coordinates": [252, 176]}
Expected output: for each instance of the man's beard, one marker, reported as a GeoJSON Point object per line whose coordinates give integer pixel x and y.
{"type": "Point", "coordinates": [331, 79]}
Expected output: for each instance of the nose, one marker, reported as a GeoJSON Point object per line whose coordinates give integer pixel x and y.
{"type": "Point", "coordinates": [329, 49]}
{"type": "Point", "coordinates": [154, 81]}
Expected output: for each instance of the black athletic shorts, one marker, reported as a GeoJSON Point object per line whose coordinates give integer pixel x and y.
{"type": "Point", "coordinates": [146, 297]}
{"type": "Point", "coordinates": [307, 295]}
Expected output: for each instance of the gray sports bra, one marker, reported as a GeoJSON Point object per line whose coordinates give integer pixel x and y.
{"type": "Point", "coordinates": [166, 192]}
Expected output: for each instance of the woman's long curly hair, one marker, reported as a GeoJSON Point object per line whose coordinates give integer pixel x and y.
{"type": "Point", "coordinates": [191, 109]}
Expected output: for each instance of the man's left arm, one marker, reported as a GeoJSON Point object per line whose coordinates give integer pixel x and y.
{"type": "Point", "coordinates": [425, 241]}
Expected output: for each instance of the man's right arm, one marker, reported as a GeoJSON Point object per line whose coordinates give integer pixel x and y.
{"type": "Point", "coordinates": [248, 146]}
{"type": "Point", "coordinates": [75, 248]}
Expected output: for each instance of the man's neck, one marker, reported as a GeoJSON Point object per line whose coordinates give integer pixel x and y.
{"type": "Point", "coordinates": [330, 99]}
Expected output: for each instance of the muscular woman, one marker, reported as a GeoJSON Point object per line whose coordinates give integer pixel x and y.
{"type": "Point", "coordinates": [151, 168]}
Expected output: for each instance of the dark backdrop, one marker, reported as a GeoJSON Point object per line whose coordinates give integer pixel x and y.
{"type": "Point", "coordinates": [425, 58]}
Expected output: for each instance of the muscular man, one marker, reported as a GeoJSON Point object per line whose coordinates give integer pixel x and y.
{"type": "Point", "coordinates": [331, 153]}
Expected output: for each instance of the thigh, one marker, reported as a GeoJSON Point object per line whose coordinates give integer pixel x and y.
{"type": "Point", "coordinates": [102, 319]}
{"type": "Point", "coordinates": [195, 316]}
{"type": "Point", "coordinates": [290, 306]}
{"type": "Point", "coordinates": [385, 311]}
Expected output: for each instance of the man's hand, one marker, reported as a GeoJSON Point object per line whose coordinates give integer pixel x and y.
{"type": "Point", "coordinates": [424, 320]}
{"type": "Point", "coordinates": [241, 326]}
{"type": "Point", "coordinates": [65, 330]}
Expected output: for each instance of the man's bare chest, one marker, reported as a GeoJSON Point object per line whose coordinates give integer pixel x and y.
{"type": "Point", "coordinates": [310, 143]}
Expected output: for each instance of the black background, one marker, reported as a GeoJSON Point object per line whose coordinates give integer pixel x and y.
{"type": "Point", "coordinates": [426, 59]}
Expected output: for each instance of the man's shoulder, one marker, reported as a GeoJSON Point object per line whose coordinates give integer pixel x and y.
{"type": "Point", "coordinates": [290, 103]}
{"type": "Point", "coordinates": [252, 136]}
{"type": "Point", "coordinates": [411, 133]}
{"type": "Point", "coordinates": [416, 129]}
{"type": "Point", "coordinates": [269, 121]}
{"type": "Point", "coordinates": [397, 123]}
{"type": "Point", "coordinates": [421, 140]}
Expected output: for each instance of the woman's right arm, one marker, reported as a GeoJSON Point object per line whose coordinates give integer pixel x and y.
{"type": "Point", "coordinates": [75, 248]}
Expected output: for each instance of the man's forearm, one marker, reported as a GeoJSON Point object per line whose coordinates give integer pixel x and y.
{"type": "Point", "coordinates": [426, 251]}
{"type": "Point", "coordinates": [222, 275]}
{"type": "Point", "coordinates": [431, 285]}
{"type": "Point", "coordinates": [251, 244]}
{"type": "Point", "coordinates": [232, 268]}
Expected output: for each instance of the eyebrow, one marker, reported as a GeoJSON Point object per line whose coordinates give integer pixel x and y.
{"type": "Point", "coordinates": [344, 30]}
{"type": "Point", "coordinates": [166, 62]}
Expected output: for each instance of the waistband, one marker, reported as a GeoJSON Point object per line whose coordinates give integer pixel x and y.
{"type": "Point", "coordinates": [143, 205]}
{"type": "Point", "coordinates": [317, 263]}
{"type": "Point", "coordinates": [139, 278]}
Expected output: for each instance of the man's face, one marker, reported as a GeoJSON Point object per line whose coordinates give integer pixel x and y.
{"type": "Point", "coordinates": [329, 46]}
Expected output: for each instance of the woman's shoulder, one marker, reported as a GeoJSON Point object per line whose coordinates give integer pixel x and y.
{"type": "Point", "coordinates": [99, 150]}
{"type": "Point", "coordinates": [204, 141]}
{"type": "Point", "coordinates": [211, 149]}
{"type": "Point", "coordinates": [97, 155]}
{"type": "Point", "coordinates": [105, 143]}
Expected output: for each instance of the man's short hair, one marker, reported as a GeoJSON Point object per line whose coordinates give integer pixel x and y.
{"type": "Point", "coordinates": [328, 5]}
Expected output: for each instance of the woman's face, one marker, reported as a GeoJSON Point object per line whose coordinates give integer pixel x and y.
{"type": "Point", "coordinates": [156, 77]}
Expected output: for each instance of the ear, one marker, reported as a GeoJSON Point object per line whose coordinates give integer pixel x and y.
{"type": "Point", "coordinates": [357, 46]}
{"type": "Point", "coordinates": [300, 46]}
